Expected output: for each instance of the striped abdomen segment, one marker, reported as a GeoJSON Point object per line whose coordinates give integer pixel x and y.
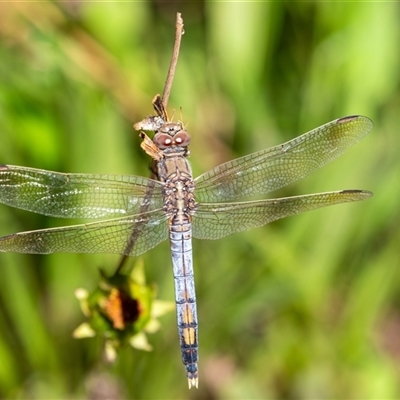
{"type": "Point", "coordinates": [185, 297]}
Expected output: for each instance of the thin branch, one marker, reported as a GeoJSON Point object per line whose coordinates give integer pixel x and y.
{"type": "Point", "coordinates": [161, 111]}
{"type": "Point", "coordinates": [171, 72]}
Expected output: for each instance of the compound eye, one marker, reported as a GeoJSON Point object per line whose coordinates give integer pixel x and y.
{"type": "Point", "coordinates": [162, 140]}
{"type": "Point", "coordinates": [182, 139]}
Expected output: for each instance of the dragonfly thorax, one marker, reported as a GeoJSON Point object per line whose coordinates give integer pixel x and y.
{"type": "Point", "coordinates": [171, 134]}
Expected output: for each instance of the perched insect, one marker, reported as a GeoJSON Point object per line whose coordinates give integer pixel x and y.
{"type": "Point", "coordinates": [140, 212]}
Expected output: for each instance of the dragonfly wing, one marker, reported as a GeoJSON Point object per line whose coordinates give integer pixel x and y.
{"type": "Point", "coordinates": [276, 167]}
{"type": "Point", "coordinates": [77, 195]}
{"type": "Point", "coordinates": [131, 236]}
{"type": "Point", "coordinates": [215, 221]}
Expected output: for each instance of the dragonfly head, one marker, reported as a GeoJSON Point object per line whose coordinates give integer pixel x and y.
{"type": "Point", "coordinates": [171, 134]}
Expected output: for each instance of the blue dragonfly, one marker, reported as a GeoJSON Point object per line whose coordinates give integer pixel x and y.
{"type": "Point", "coordinates": [138, 213]}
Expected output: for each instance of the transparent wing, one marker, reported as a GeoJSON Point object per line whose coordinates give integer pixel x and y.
{"type": "Point", "coordinates": [77, 195]}
{"type": "Point", "coordinates": [132, 236]}
{"type": "Point", "coordinates": [215, 221]}
{"type": "Point", "coordinates": [276, 167]}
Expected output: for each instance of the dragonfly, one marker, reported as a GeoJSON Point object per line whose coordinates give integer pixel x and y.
{"type": "Point", "coordinates": [137, 213]}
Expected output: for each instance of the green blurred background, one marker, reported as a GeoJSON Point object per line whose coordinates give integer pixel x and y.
{"type": "Point", "coordinates": [307, 307]}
